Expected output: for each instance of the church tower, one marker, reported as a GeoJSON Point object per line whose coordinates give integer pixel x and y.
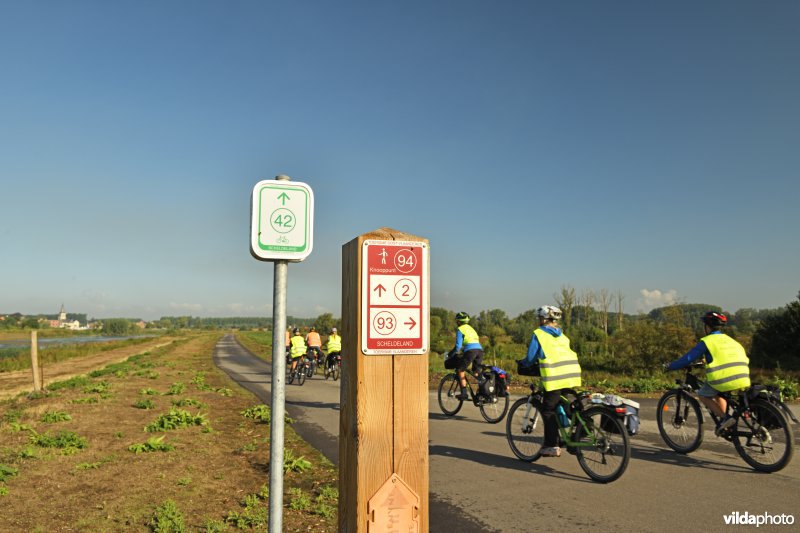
{"type": "Point", "coordinates": [62, 315]}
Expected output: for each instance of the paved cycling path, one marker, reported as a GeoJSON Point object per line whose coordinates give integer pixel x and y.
{"type": "Point", "coordinates": [476, 484]}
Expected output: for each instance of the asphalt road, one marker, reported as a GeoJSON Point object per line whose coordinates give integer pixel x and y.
{"type": "Point", "coordinates": [476, 484]}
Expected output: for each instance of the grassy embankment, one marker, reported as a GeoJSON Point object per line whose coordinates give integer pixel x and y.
{"type": "Point", "coordinates": [163, 440]}
{"type": "Point", "coordinates": [19, 357]}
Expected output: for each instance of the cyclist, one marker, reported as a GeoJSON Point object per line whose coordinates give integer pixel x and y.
{"type": "Point", "coordinates": [727, 367]}
{"type": "Point", "coordinates": [288, 341]}
{"type": "Point", "coordinates": [334, 347]}
{"type": "Point", "coordinates": [559, 368]}
{"type": "Point", "coordinates": [468, 342]}
{"type": "Point", "coordinates": [298, 348]}
{"type": "Point", "coordinates": [314, 343]}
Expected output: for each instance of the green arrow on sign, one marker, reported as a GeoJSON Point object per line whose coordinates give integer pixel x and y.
{"type": "Point", "coordinates": [283, 197]}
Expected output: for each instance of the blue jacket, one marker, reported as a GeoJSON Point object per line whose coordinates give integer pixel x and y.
{"type": "Point", "coordinates": [700, 350]}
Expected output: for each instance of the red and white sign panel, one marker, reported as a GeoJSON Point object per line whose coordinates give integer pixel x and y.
{"type": "Point", "coordinates": [394, 297]}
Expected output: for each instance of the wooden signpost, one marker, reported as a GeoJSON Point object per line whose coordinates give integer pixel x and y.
{"type": "Point", "coordinates": [383, 422]}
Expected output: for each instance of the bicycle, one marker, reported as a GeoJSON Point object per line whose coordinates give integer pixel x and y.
{"type": "Point", "coordinates": [596, 434]}
{"type": "Point", "coordinates": [760, 434]}
{"type": "Point", "coordinates": [334, 369]}
{"type": "Point", "coordinates": [299, 372]}
{"type": "Point", "coordinates": [316, 360]}
{"type": "Point", "coordinates": [489, 399]}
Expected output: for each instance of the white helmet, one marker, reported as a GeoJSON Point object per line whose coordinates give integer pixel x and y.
{"type": "Point", "coordinates": [549, 312]}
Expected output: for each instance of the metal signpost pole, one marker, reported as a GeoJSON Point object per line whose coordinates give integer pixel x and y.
{"type": "Point", "coordinates": [281, 231]}
{"type": "Point", "coordinates": [278, 396]}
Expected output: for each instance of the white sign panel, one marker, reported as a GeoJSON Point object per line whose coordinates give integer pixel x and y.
{"type": "Point", "coordinates": [395, 310]}
{"type": "Point", "coordinates": [282, 220]}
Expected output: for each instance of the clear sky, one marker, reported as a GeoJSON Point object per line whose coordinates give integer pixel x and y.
{"type": "Point", "coordinates": [643, 147]}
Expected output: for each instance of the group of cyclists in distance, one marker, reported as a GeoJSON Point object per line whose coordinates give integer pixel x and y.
{"type": "Point", "coordinates": [727, 366]}
{"type": "Point", "coordinates": [298, 346]}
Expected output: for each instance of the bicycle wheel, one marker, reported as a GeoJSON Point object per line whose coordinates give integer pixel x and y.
{"type": "Point", "coordinates": [607, 457]}
{"type": "Point", "coordinates": [301, 375]}
{"type": "Point", "coordinates": [337, 369]}
{"type": "Point", "coordinates": [765, 441]}
{"type": "Point", "coordinates": [448, 392]}
{"type": "Point", "coordinates": [680, 421]}
{"type": "Point", "coordinates": [494, 411]}
{"type": "Point", "coordinates": [525, 430]}
{"type": "Point", "coordinates": [289, 375]}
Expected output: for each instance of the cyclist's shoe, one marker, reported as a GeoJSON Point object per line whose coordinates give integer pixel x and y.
{"type": "Point", "coordinates": [464, 396]}
{"type": "Point", "coordinates": [724, 425]}
{"type": "Point", "coordinates": [555, 451]}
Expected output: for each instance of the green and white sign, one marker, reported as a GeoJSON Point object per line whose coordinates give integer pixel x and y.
{"type": "Point", "coordinates": [282, 224]}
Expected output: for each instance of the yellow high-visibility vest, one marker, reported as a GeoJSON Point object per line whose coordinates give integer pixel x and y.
{"type": "Point", "coordinates": [729, 368]}
{"type": "Point", "coordinates": [298, 346]}
{"type": "Point", "coordinates": [469, 333]}
{"type": "Point", "coordinates": [334, 343]}
{"type": "Point", "coordinates": [560, 368]}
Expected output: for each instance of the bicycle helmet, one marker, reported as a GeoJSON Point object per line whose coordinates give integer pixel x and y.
{"type": "Point", "coordinates": [713, 319]}
{"type": "Point", "coordinates": [333, 330]}
{"type": "Point", "coordinates": [549, 312]}
{"type": "Point", "coordinates": [296, 331]}
{"type": "Point", "coordinates": [462, 317]}
{"type": "Point", "coordinates": [313, 328]}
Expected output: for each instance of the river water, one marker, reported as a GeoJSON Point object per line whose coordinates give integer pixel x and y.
{"type": "Point", "coordinates": [59, 341]}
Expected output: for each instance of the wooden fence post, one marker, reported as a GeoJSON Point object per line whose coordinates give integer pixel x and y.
{"type": "Point", "coordinates": [37, 375]}
{"type": "Point", "coordinates": [383, 421]}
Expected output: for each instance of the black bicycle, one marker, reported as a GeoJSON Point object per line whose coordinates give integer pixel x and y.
{"type": "Point", "coordinates": [299, 373]}
{"type": "Point", "coordinates": [594, 433]}
{"type": "Point", "coordinates": [490, 396]}
{"type": "Point", "coordinates": [333, 367]}
{"type": "Point", "coordinates": [761, 433]}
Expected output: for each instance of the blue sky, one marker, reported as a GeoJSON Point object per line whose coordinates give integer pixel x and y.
{"type": "Point", "coordinates": [648, 148]}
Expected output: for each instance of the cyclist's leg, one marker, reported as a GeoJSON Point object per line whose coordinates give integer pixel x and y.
{"type": "Point", "coordinates": [461, 369]}
{"type": "Point", "coordinates": [549, 402]}
{"type": "Point", "coordinates": [712, 400]}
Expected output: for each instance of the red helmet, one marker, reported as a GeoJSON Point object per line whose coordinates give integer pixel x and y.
{"type": "Point", "coordinates": [713, 319]}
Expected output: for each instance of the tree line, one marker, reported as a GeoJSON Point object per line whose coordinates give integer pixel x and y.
{"type": "Point", "coordinates": [608, 339]}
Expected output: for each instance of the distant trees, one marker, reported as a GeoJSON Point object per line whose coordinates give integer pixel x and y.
{"type": "Point", "coordinates": [776, 343]}
{"type": "Point", "coordinates": [116, 326]}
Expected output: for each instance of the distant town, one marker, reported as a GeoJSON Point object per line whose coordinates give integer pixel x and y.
{"type": "Point", "coordinates": [61, 320]}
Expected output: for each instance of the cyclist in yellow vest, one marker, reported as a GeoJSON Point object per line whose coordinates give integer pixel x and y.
{"type": "Point", "coordinates": [727, 367]}
{"type": "Point", "coordinates": [468, 343]}
{"type": "Point", "coordinates": [298, 348]}
{"type": "Point", "coordinates": [559, 369]}
{"type": "Point", "coordinates": [333, 347]}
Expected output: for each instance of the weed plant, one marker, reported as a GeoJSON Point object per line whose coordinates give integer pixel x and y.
{"type": "Point", "coordinates": [175, 389]}
{"type": "Point", "coordinates": [145, 404]}
{"type": "Point", "coordinates": [189, 402]}
{"type": "Point", "coordinates": [51, 417]}
{"type": "Point", "coordinates": [7, 472]}
{"type": "Point", "coordinates": [67, 441]}
{"type": "Point", "coordinates": [167, 519]}
{"type": "Point", "coordinates": [153, 444]}
{"type": "Point", "coordinates": [294, 464]}
{"type": "Point", "coordinates": [175, 419]}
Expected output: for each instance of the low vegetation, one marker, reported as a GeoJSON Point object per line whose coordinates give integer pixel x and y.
{"type": "Point", "coordinates": [186, 458]}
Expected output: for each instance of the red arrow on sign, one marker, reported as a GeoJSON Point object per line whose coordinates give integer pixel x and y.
{"type": "Point", "coordinates": [410, 321]}
{"type": "Point", "coordinates": [379, 288]}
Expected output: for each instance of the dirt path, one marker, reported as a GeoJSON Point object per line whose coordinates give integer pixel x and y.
{"type": "Point", "coordinates": [13, 383]}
